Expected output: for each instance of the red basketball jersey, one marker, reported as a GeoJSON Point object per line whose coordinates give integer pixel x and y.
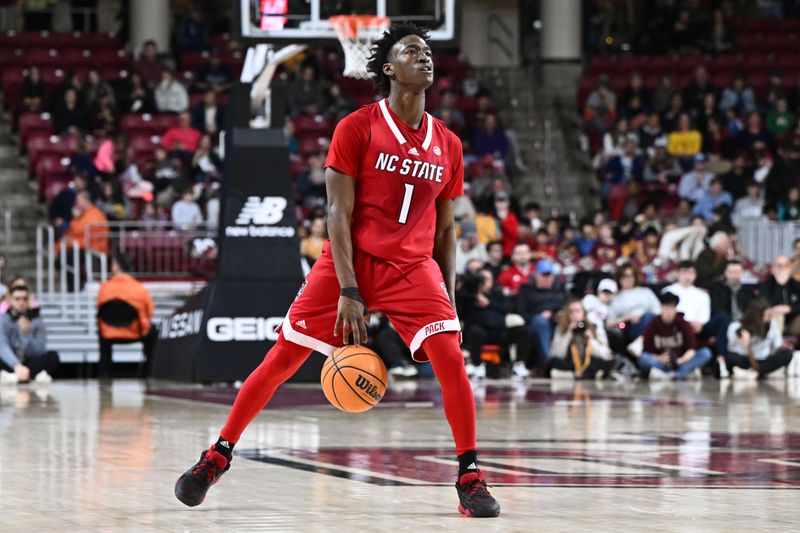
{"type": "Point", "coordinates": [400, 172]}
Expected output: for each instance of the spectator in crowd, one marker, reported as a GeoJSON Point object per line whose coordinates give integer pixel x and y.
{"type": "Point", "coordinates": [696, 91]}
{"type": "Point", "coordinates": [137, 96]}
{"type": "Point", "coordinates": [338, 104]}
{"type": "Point", "coordinates": [649, 131]}
{"type": "Point", "coordinates": [796, 260]}
{"type": "Point", "coordinates": [685, 142]}
{"type": "Point", "coordinates": [170, 94]}
{"type": "Point", "coordinates": [520, 271]}
{"type": "Point", "coordinates": [490, 139]}
{"type": "Point", "coordinates": [484, 307]}
{"type": "Point", "coordinates": [468, 248]}
{"type": "Point", "coordinates": [289, 132]}
{"type": "Point", "coordinates": [587, 237]}
{"type": "Point", "coordinates": [614, 141]}
{"type": "Point", "coordinates": [646, 249]}
{"type": "Point", "coordinates": [756, 342]}
{"type": "Point", "coordinates": [736, 179]}
{"type": "Point", "coordinates": [710, 199]}
{"type": "Point", "coordinates": [711, 262]}
{"type": "Point", "coordinates": [206, 165]}
{"type": "Point", "coordinates": [94, 87]}
{"type": "Point", "coordinates": [33, 91]}
{"type": "Point", "coordinates": [311, 183]}
{"type": "Point", "coordinates": [496, 262]}
{"type": "Point", "coordinates": [149, 65]}
{"type": "Point", "coordinates": [695, 183]}
{"type": "Point", "coordinates": [580, 349]}
{"type": "Point", "coordinates": [193, 35]}
{"type": "Point", "coordinates": [183, 137]}
{"type": "Point", "coordinates": [23, 342]}
{"type": "Point", "coordinates": [635, 99]}
{"type": "Point", "coordinates": [114, 203]}
{"type": "Point", "coordinates": [449, 104]}
{"type": "Point", "coordinates": [103, 116]}
{"type": "Point", "coordinates": [597, 306]}
{"type": "Point", "coordinates": [60, 209]}
{"type": "Point", "coordinates": [213, 209]}
{"type": "Point", "coordinates": [738, 96]}
{"type": "Point", "coordinates": [86, 215]}
{"type": "Point", "coordinates": [186, 213]}
{"type": "Point", "coordinates": [540, 304]}
{"type": "Point", "coordinates": [509, 224]}
{"type": "Point", "coordinates": [167, 171]}
{"type": "Point", "coordinates": [385, 340]}
{"type": "Point", "coordinates": [625, 167]}
{"type": "Point", "coordinates": [783, 294]}
{"type": "Point", "coordinates": [755, 139]}
{"type": "Point", "coordinates": [69, 115]}
{"type": "Point", "coordinates": [311, 246]}
{"type": "Point", "coordinates": [670, 346]}
{"type": "Point", "coordinates": [729, 296]}
{"type": "Point", "coordinates": [661, 167]}
{"type": "Point", "coordinates": [214, 75]}
{"type": "Point", "coordinates": [606, 250]}
{"type": "Point", "coordinates": [750, 206]}
{"type": "Point", "coordinates": [664, 93]}
{"type": "Point", "coordinates": [780, 121]}
{"type": "Point", "coordinates": [633, 307]}
{"type": "Point", "coordinates": [208, 116]}
{"type": "Point", "coordinates": [601, 106]}
{"type": "Point", "coordinates": [720, 37]}
{"type": "Point", "coordinates": [15, 280]}
{"type": "Point", "coordinates": [775, 177]}
{"type": "Point", "coordinates": [305, 94]}
{"type": "Point", "coordinates": [789, 209]}
{"type": "Point", "coordinates": [487, 227]}
{"type": "Point", "coordinates": [125, 313]}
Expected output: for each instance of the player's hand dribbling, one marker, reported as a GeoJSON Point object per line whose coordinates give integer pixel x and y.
{"type": "Point", "coordinates": [350, 316]}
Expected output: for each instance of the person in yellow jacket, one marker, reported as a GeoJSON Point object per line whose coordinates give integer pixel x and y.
{"type": "Point", "coordinates": [685, 141]}
{"type": "Point", "coordinates": [122, 286]}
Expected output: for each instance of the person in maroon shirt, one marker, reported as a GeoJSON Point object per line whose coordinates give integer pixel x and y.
{"type": "Point", "coordinates": [606, 250]}
{"type": "Point", "coordinates": [519, 273]}
{"type": "Point", "coordinates": [149, 65]}
{"type": "Point", "coordinates": [670, 346]}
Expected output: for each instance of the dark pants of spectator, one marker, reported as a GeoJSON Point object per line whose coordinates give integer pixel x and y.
{"type": "Point", "coordinates": [149, 342]}
{"type": "Point", "coordinates": [475, 337]}
{"type": "Point", "coordinates": [717, 328]}
{"type": "Point", "coordinates": [48, 362]}
{"type": "Point", "coordinates": [541, 329]}
{"type": "Point", "coordinates": [389, 345]}
{"type": "Point", "coordinates": [777, 359]}
{"type": "Point", "coordinates": [596, 365]}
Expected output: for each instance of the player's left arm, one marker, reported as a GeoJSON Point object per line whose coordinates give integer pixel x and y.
{"type": "Point", "coordinates": [444, 245]}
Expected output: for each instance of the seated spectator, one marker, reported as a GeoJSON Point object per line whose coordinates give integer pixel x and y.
{"type": "Point", "coordinates": [509, 224]}
{"type": "Point", "coordinates": [311, 183]}
{"type": "Point", "coordinates": [149, 65]}
{"type": "Point", "coordinates": [708, 114]}
{"type": "Point", "coordinates": [519, 273]}
{"type": "Point", "coordinates": [103, 116]}
{"type": "Point", "coordinates": [601, 106]}
{"type": "Point", "coordinates": [23, 341]}
{"type": "Point", "coordinates": [122, 291]}
{"type": "Point", "coordinates": [775, 176]}
{"type": "Point", "coordinates": [213, 209]}
{"type": "Point", "coordinates": [94, 87]}
{"type": "Point", "coordinates": [625, 167]}
{"type": "Point", "coordinates": [311, 246]}
{"type": "Point", "coordinates": [664, 93]}
{"type": "Point", "coordinates": [736, 179]}
{"type": "Point", "coordinates": [186, 213]}
{"type": "Point", "coordinates": [338, 105]}
{"type": "Point", "coordinates": [650, 131]}
{"type": "Point", "coordinates": [183, 137]}
{"type": "Point", "coordinates": [783, 294]}
{"type": "Point", "coordinates": [720, 37]}
{"type": "Point", "coordinates": [490, 139]}
{"type": "Point", "coordinates": [635, 99]}
{"type": "Point", "coordinates": [633, 307]}
{"type": "Point", "coordinates": [780, 121]}
{"type": "Point", "coordinates": [540, 304]}
{"type": "Point", "coordinates": [711, 262]}
{"type": "Point", "coordinates": [670, 347]}
{"type": "Point", "coordinates": [646, 250]}
{"type": "Point", "coordinates": [33, 91]}
{"type": "Point", "coordinates": [789, 209]}
{"type": "Point", "coordinates": [214, 75]}
{"type": "Point", "coordinates": [137, 96]}
{"type": "Point", "coordinates": [738, 96]}
{"type": "Point", "coordinates": [496, 262]}
{"type": "Point", "coordinates": [171, 96]}
{"type": "Point", "coordinates": [114, 203]}
{"type": "Point", "coordinates": [597, 306]}
{"type": "Point", "coordinates": [614, 141]}
{"type": "Point", "coordinates": [167, 171]}
{"type": "Point", "coordinates": [695, 183]}
{"type": "Point", "coordinates": [291, 137]}
{"type": "Point", "coordinates": [672, 115]}
{"type": "Point", "coordinates": [717, 143]}
{"type": "Point", "coordinates": [756, 346]}
{"type": "Point", "coordinates": [686, 141]}
{"type": "Point", "coordinates": [606, 250]}
{"type": "Point", "coordinates": [483, 308]}
{"type": "Point", "coordinates": [580, 349]}
{"type": "Point", "coordinates": [487, 227]}
{"type": "Point", "coordinates": [193, 34]}
{"type": "Point", "coordinates": [85, 215]}
{"type": "Point", "coordinates": [728, 295]}
{"type": "Point", "coordinates": [208, 116]}
{"type": "Point", "coordinates": [69, 115]}
{"type": "Point", "coordinates": [698, 88]}
{"type": "Point", "coordinates": [449, 104]}
{"type": "Point", "coordinates": [750, 206]}
{"type": "Point", "coordinates": [59, 213]}
{"type": "Point", "coordinates": [755, 138]}
{"type": "Point", "coordinates": [710, 199]}
{"type": "Point", "coordinates": [15, 280]}
{"type": "Point", "coordinates": [545, 246]}
{"type": "Point", "coordinates": [305, 93]}
{"type": "Point", "coordinates": [796, 260]}
{"type": "Point", "coordinates": [206, 165]}
{"type": "Point", "coordinates": [469, 248]}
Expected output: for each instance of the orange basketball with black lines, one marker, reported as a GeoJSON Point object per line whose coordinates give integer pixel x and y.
{"type": "Point", "coordinates": [354, 378]}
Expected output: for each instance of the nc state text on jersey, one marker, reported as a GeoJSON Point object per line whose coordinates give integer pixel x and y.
{"type": "Point", "coordinates": [410, 167]}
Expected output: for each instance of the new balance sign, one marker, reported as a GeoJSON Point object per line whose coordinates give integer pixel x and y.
{"type": "Point", "coordinates": [258, 218]}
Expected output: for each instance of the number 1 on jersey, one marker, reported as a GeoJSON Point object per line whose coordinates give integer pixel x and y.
{"type": "Point", "coordinates": [409, 192]}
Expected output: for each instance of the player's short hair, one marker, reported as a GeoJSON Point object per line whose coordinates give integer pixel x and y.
{"type": "Point", "coordinates": [381, 48]}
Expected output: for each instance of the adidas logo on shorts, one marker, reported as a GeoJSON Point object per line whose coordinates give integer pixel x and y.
{"type": "Point", "coordinates": [300, 324]}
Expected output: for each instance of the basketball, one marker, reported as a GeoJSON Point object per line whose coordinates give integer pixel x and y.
{"type": "Point", "coordinates": [354, 379]}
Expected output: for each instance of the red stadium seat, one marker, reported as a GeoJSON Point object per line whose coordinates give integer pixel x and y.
{"type": "Point", "coordinates": [31, 124]}
{"type": "Point", "coordinates": [12, 86]}
{"type": "Point", "coordinates": [40, 145]}
{"type": "Point", "coordinates": [312, 145]}
{"type": "Point", "coordinates": [44, 57]}
{"type": "Point", "coordinates": [317, 125]}
{"type": "Point", "coordinates": [165, 121]}
{"type": "Point", "coordinates": [50, 169]}
{"type": "Point", "coordinates": [74, 57]}
{"type": "Point", "coordinates": [145, 125]}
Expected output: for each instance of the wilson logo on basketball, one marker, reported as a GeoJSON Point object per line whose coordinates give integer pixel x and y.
{"type": "Point", "coordinates": [370, 389]}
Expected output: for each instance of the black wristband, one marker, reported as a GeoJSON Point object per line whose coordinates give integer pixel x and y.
{"type": "Point", "coordinates": [353, 294]}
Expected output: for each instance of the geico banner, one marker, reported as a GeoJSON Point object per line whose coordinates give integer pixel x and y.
{"type": "Point", "coordinates": [258, 227]}
{"type": "Point", "coordinates": [240, 328]}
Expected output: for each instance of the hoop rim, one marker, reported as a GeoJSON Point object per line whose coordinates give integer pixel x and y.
{"type": "Point", "coordinates": [349, 26]}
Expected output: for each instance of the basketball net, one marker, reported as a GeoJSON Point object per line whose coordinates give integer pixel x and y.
{"type": "Point", "coordinates": [357, 33]}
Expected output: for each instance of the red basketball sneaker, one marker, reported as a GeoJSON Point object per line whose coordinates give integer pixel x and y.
{"type": "Point", "coordinates": [474, 498]}
{"type": "Point", "coordinates": [192, 486]}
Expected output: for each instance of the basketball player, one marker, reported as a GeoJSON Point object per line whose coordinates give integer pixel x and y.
{"type": "Point", "coordinates": [392, 173]}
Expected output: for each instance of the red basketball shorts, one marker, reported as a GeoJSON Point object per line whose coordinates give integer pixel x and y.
{"type": "Point", "coordinates": [414, 298]}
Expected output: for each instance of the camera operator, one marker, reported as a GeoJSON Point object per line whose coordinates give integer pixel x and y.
{"type": "Point", "coordinates": [23, 341]}
{"type": "Point", "coordinates": [579, 347]}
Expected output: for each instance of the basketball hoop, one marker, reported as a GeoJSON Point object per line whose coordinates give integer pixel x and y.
{"type": "Point", "coordinates": [356, 33]}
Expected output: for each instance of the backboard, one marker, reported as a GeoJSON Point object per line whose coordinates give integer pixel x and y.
{"type": "Point", "coordinates": [306, 21]}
